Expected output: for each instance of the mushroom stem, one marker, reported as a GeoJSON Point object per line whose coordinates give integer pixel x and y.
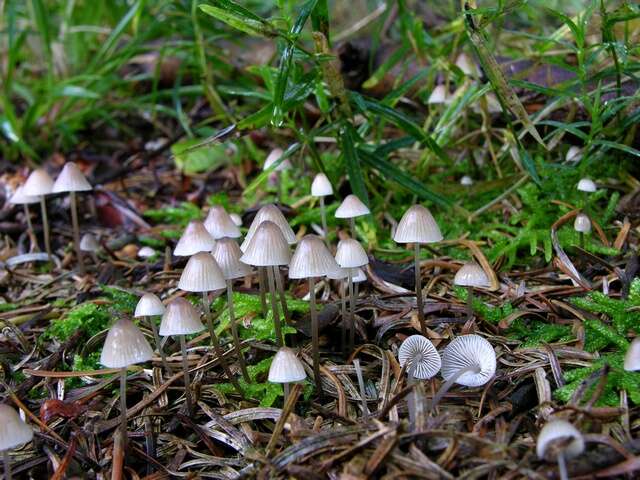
{"type": "Point", "coordinates": [32, 236]}
{"type": "Point", "coordinates": [123, 404]}
{"type": "Point", "coordinates": [420, 305]}
{"type": "Point", "coordinates": [262, 281]}
{"type": "Point", "coordinates": [185, 371]}
{"type": "Point", "coordinates": [76, 231]}
{"type": "Point", "coordinates": [343, 314]}
{"type": "Point", "coordinates": [156, 339]}
{"type": "Point", "coordinates": [286, 388]}
{"type": "Point", "coordinates": [352, 312]}
{"type": "Point", "coordinates": [562, 467]}
{"type": "Point", "coordinates": [323, 214]}
{"type": "Point", "coordinates": [96, 260]}
{"type": "Point", "coordinates": [216, 345]}
{"type": "Point", "coordinates": [447, 385]}
{"type": "Point", "coordinates": [314, 334]}
{"type": "Point", "coordinates": [7, 464]}
{"type": "Point", "coordinates": [352, 223]}
{"type": "Point", "coordinates": [363, 394]}
{"type": "Point", "coordinates": [411, 399]}
{"type": "Point", "coordinates": [581, 234]}
{"type": "Point", "coordinates": [469, 303]}
{"type": "Point", "coordinates": [234, 332]}
{"type": "Point", "coordinates": [283, 299]}
{"type": "Point", "coordinates": [45, 227]}
{"type": "Point", "coordinates": [274, 308]}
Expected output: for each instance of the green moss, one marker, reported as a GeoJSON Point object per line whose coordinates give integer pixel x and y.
{"type": "Point", "coordinates": [87, 317]}
{"type": "Point", "coordinates": [7, 307]}
{"type": "Point", "coordinates": [151, 241]}
{"type": "Point", "coordinates": [180, 215]}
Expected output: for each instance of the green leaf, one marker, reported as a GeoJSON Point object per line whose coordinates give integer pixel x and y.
{"type": "Point", "coordinates": [320, 19]}
{"type": "Point", "coordinates": [352, 162]}
{"type": "Point", "coordinates": [240, 18]}
{"type": "Point", "coordinates": [110, 43]}
{"type": "Point", "coordinates": [204, 158]}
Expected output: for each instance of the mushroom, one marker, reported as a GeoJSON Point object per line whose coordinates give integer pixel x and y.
{"type": "Point", "coordinates": [468, 67]}
{"type": "Point", "coordinates": [471, 275]}
{"type": "Point", "coordinates": [468, 360]}
{"type": "Point", "coordinates": [19, 198]}
{"type": "Point", "coordinates": [219, 224]}
{"type": "Point", "coordinates": [587, 185]}
{"type": "Point", "coordinates": [269, 248]}
{"type": "Point", "coordinates": [13, 433]}
{"type": "Point", "coordinates": [439, 95]}
{"type": "Point", "coordinates": [203, 275]}
{"type": "Point", "coordinates": [195, 239]}
{"type": "Point", "coordinates": [125, 345]}
{"type": "Point", "coordinates": [39, 184]}
{"type": "Point", "coordinates": [312, 259]}
{"type": "Point", "coordinates": [286, 368]}
{"type": "Point", "coordinates": [574, 154]}
{"type": "Point", "coordinates": [558, 441]}
{"type": "Point", "coordinates": [466, 181]}
{"type": "Point", "coordinates": [180, 318]}
{"type": "Point", "coordinates": [227, 253]}
{"type": "Point", "coordinates": [72, 180]}
{"type": "Point", "coordinates": [352, 207]}
{"type": "Point", "coordinates": [89, 244]}
{"type": "Point", "coordinates": [320, 188]}
{"type": "Point", "coordinates": [274, 157]}
{"type": "Point", "coordinates": [237, 219]}
{"type": "Point", "coordinates": [632, 357]}
{"type": "Point", "coordinates": [146, 252]}
{"type": "Point", "coordinates": [350, 255]}
{"type": "Point", "coordinates": [149, 306]}
{"type": "Point", "coordinates": [582, 225]}
{"type": "Point", "coordinates": [417, 226]}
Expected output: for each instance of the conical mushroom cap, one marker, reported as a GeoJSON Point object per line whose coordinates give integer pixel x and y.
{"type": "Point", "coordinates": [201, 274]}
{"type": "Point", "coordinates": [439, 95]}
{"type": "Point", "coordinates": [466, 351]}
{"type": "Point", "coordinates": [195, 239]}
{"type": "Point", "coordinates": [273, 157]}
{"type": "Point", "coordinates": [312, 258]}
{"type": "Point", "coordinates": [227, 253]}
{"type": "Point", "coordinates": [352, 207]}
{"type": "Point", "coordinates": [20, 198]}
{"type": "Point", "coordinates": [558, 429]}
{"type": "Point", "coordinates": [71, 179]}
{"type": "Point", "coordinates": [125, 345]}
{"type": "Point", "coordinates": [420, 356]}
{"type": "Point", "coordinates": [180, 318]}
{"type": "Point", "coordinates": [13, 431]}
{"type": "Point", "coordinates": [267, 247]}
{"type": "Point", "coordinates": [286, 368]}
{"type": "Point", "coordinates": [219, 223]}
{"type": "Point", "coordinates": [417, 225]}
{"type": "Point", "coordinates": [587, 185]}
{"type": "Point", "coordinates": [149, 305]}
{"type": "Point", "coordinates": [269, 213]}
{"type": "Point", "coordinates": [89, 243]}
{"type": "Point", "coordinates": [321, 186]}
{"type": "Point", "coordinates": [471, 275]}
{"type": "Point", "coordinates": [632, 357]}
{"type": "Point", "coordinates": [350, 254]}
{"type": "Point", "coordinates": [582, 223]}
{"type": "Point", "coordinates": [38, 183]}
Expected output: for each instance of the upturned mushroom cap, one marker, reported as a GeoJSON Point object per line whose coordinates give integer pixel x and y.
{"type": "Point", "coordinates": [195, 239]}
{"type": "Point", "coordinates": [312, 258]}
{"type": "Point", "coordinates": [466, 351]}
{"type": "Point", "coordinates": [439, 95]}
{"type": "Point", "coordinates": [417, 225]}
{"type": "Point", "coordinates": [20, 198]}
{"type": "Point", "coordinates": [350, 254]}
{"type": "Point", "coordinates": [149, 305]}
{"type": "Point", "coordinates": [352, 207]}
{"type": "Point", "coordinates": [180, 318]}
{"type": "Point", "coordinates": [13, 431]}
{"type": "Point", "coordinates": [466, 181]}
{"type": "Point", "coordinates": [227, 253]}
{"type": "Point", "coordinates": [573, 154]}
{"type": "Point", "coordinates": [237, 219]}
{"type": "Point", "coordinates": [273, 157]}
{"type": "Point", "coordinates": [146, 252]}
{"type": "Point", "coordinates": [632, 357]}
{"type": "Point", "coordinates": [89, 243]}
{"type": "Point", "coordinates": [587, 185]}
{"type": "Point", "coordinates": [559, 430]}
{"type": "Point", "coordinates": [71, 179]}
{"type": "Point", "coordinates": [267, 247]}
{"type": "Point", "coordinates": [420, 357]}
{"type": "Point", "coordinates": [201, 274]}
{"type": "Point", "coordinates": [464, 63]}
{"type": "Point", "coordinates": [582, 223]}
{"type": "Point", "coordinates": [286, 367]}
{"type": "Point", "coordinates": [269, 213]}
{"type": "Point", "coordinates": [125, 345]}
{"type": "Point", "coordinates": [321, 186]}
{"type": "Point", "coordinates": [219, 223]}
{"type": "Point", "coordinates": [38, 183]}
{"type": "Point", "coordinates": [471, 275]}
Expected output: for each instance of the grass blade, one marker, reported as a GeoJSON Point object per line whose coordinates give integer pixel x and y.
{"type": "Point", "coordinates": [240, 18]}
{"type": "Point", "coordinates": [352, 162]}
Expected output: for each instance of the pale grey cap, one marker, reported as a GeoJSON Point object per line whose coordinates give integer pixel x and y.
{"type": "Point", "coordinates": [273, 157]}
{"type": "Point", "coordinates": [269, 213]}
{"type": "Point", "coordinates": [352, 207]}
{"type": "Point", "coordinates": [180, 318]}
{"type": "Point", "coordinates": [420, 357]}
{"type": "Point", "coordinates": [267, 247]}
{"type": "Point", "coordinates": [338, 273]}
{"type": "Point", "coordinates": [632, 357]}
{"type": "Point", "coordinates": [13, 430]}
{"type": "Point", "coordinates": [573, 154]}
{"type": "Point", "coordinates": [587, 185]}
{"type": "Point", "coordinates": [201, 274]}
{"type": "Point", "coordinates": [350, 254]}
{"type": "Point", "coordinates": [312, 258]}
{"type": "Point", "coordinates": [71, 179]}
{"type": "Point", "coordinates": [237, 219]}
{"type": "Point", "coordinates": [582, 223]}
{"type": "Point", "coordinates": [321, 186]}
{"type": "Point", "coordinates": [466, 351]}
{"type": "Point", "coordinates": [20, 198]}
{"type": "Point", "coordinates": [286, 367]}
{"type": "Point", "coordinates": [146, 252]}
{"type": "Point", "coordinates": [557, 430]}
{"type": "Point", "coordinates": [468, 67]}
{"type": "Point", "coordinates": [38, 183]}
{"type": "Point", "coordinates": [195, 239]}
{"type": "Point", "coordinates": [466, 181]}
{"type": "Point", "coordinates": [219, 223]}
{"type": "Point", "coordinates": [227, 253]}
{"type": "Point", "coordinates": [89, 243]}
{"type": "Point", "coordinates": [439, 95]}
{"type": "Point", "coordinates": [149, 305]}
{"type": "Point", "coordinates": [471, 275]}
{"type": "Point", "coordinates": [125, 345]}
{"type": "Point", "coordinates": [417, 225]}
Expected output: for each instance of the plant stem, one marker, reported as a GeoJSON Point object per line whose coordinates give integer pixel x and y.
{"type": "Point", "coordinates": [76, 231]}
{"type": "Point", "coordinates": [185, 371]}
{"type": "Point", "coordinates": [123, 405]}
{"type": "Point", "coordinates": [283, 299]}
{"type": "Point", "coordinates": [420, 305]}
{"type": "Point", "coordinates": [156, 338]}
{"type": "Point", "coordinates": [32, 235]}
{"type": "Point", "coordinates": [234, 332]}
{"type": "Point", "coordinates": [352, 223]}
{"type": "Point", "coordinates": [7, 464]}
{"type": "Point", "coordinates": [262, 282]}
{"type": "Point", "coordinates": [314, 335]}
{"type": "Point", "coordinates": [562, 467]}
{"type": "Point", "coordinates": [274, 308]}
{"type": "Point", "coordinates": [323, 213]}
{"type": "Point", "coordinates": [447, 385]}
{"type": "Point", "coordinates": [469, 303]}
{"type": "Point", "coordinates": [45, 227]}
{"type": "Point", "coordinates": [352, 312]}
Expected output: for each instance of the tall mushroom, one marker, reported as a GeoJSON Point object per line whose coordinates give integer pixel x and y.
{"type": "Point", "coordinates": [19, 198]}
{"type": "Point", "coordinates": [286, 369]}
{"type": "Point", "coordinates": [72, 180]}
{"type": "Point", "coordinates": [13, 433]}
{"type": "Point", "coordinates": [39, 184]}
{"type": "Point", "coordinates": [439, 95]}
{"type": "Point", "coordinates": [150, 306]}
{"type": "Point", "coordinates": [320, 188]}
{"type": "Point", "coordinates": [587, 186]}
{"type": "Point", "coordinates": [219, 224]}
{"type": "Point", "coordinates": [558, 441]}
{"type": "Point", "coordinates": [417, 226]}
{"type": "Point", "coordinates": [352, 207]}
{"type": "Point", "coordinates": [471, 275]}
{"type": "Point", "coordinates": [312, 259]}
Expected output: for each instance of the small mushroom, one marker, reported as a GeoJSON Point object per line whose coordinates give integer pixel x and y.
{"type": "Point", "coordinates": [574, 154]}
{"type": "Point", "coordinates": [195, 239]}
{"type": "Point", "coordinates": [320, 188]}
{"type": "Point", "coordinates": [587, 185]}
{"type": "Point", "coordinates": [352, 207]}
{"type": "Point", "coordinates": [13, 433]}
{"type": "Point", "coordinates": [471, 275]}
{"type": "Point", "coordinates": [468, 67]}
{"type": "Point", "coordinates": [466, 181]}
{"type": "Point", "coordinates": [286, 368]}
{"type": "Point", "coordinates": [274, 157]}
{"type": "Point", "coordinates": [39, 184]}
{"type": "Point", "coordinates": [632, 357]}
{"type": "Point", "coordinates": [558, 441]}
{"type": "Point", "coordinates": [146, 252]}
{"type": "Point", "coordinates": [219, 224]}
{"type": "Point", "coordinates": [237, 219]}
{"type": "Point", "coordinates": [89, 243]}
{"type": "Point", "coordinates": [19, 198]}
{"type": "Point", "coordinates": [439, 95]}
{"type": "Point", "coordinates": [150, 306]}
{"type": "Point", "coordinates": [582, 225]}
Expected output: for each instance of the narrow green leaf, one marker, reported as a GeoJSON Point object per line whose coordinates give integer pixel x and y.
{"type": "Point", "coordinates": [320, 19]}
{"type": "Point", "coordinates": [263, 176]}
{"type": "Point", "coordinates": [239, 18]}
{"type": "Point", "coordinates": [618, 146]}
{"type": "Point", "coordinates": [352, 162]}
{"type": "Point", "coordinates": [115, 35]}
